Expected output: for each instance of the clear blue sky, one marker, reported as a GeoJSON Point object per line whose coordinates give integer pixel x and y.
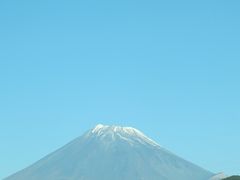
{"type": "Point", "coordinates": [168, 68]}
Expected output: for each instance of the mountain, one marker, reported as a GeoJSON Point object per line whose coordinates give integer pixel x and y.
{"type": "Point", "coordinates": [112, 153]}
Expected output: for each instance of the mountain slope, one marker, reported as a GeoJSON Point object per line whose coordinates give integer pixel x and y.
{"type": "Point", "coordinates": [112, 153]}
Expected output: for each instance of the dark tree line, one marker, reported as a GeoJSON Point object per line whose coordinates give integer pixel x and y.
{"type": "Point", "coordinates": [233, 178]}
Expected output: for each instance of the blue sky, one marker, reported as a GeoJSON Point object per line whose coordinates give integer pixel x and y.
{"type": "Point", "coordinates": [168, 68]}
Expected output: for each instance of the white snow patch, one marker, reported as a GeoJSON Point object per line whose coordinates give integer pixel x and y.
{"type": "Point", "coordinates": [127, 133]}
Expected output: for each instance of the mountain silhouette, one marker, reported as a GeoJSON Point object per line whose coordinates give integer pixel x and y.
{"type": "Point", "coordinates": [112, 153]}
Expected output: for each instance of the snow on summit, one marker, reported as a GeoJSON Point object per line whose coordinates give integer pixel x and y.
{"type": "Point", "coordinates": [112, 153]}
{"type": "Point", "coordinates": [125, 133]}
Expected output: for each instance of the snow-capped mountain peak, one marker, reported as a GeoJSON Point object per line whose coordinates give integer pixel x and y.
{"type": "Point", "coordinates": [112, 152]}
{"type": "Point", "coordinates": [128, 134]}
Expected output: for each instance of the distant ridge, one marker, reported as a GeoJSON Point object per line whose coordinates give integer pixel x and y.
{"type": "Point", "coordinates": [232, 178]}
